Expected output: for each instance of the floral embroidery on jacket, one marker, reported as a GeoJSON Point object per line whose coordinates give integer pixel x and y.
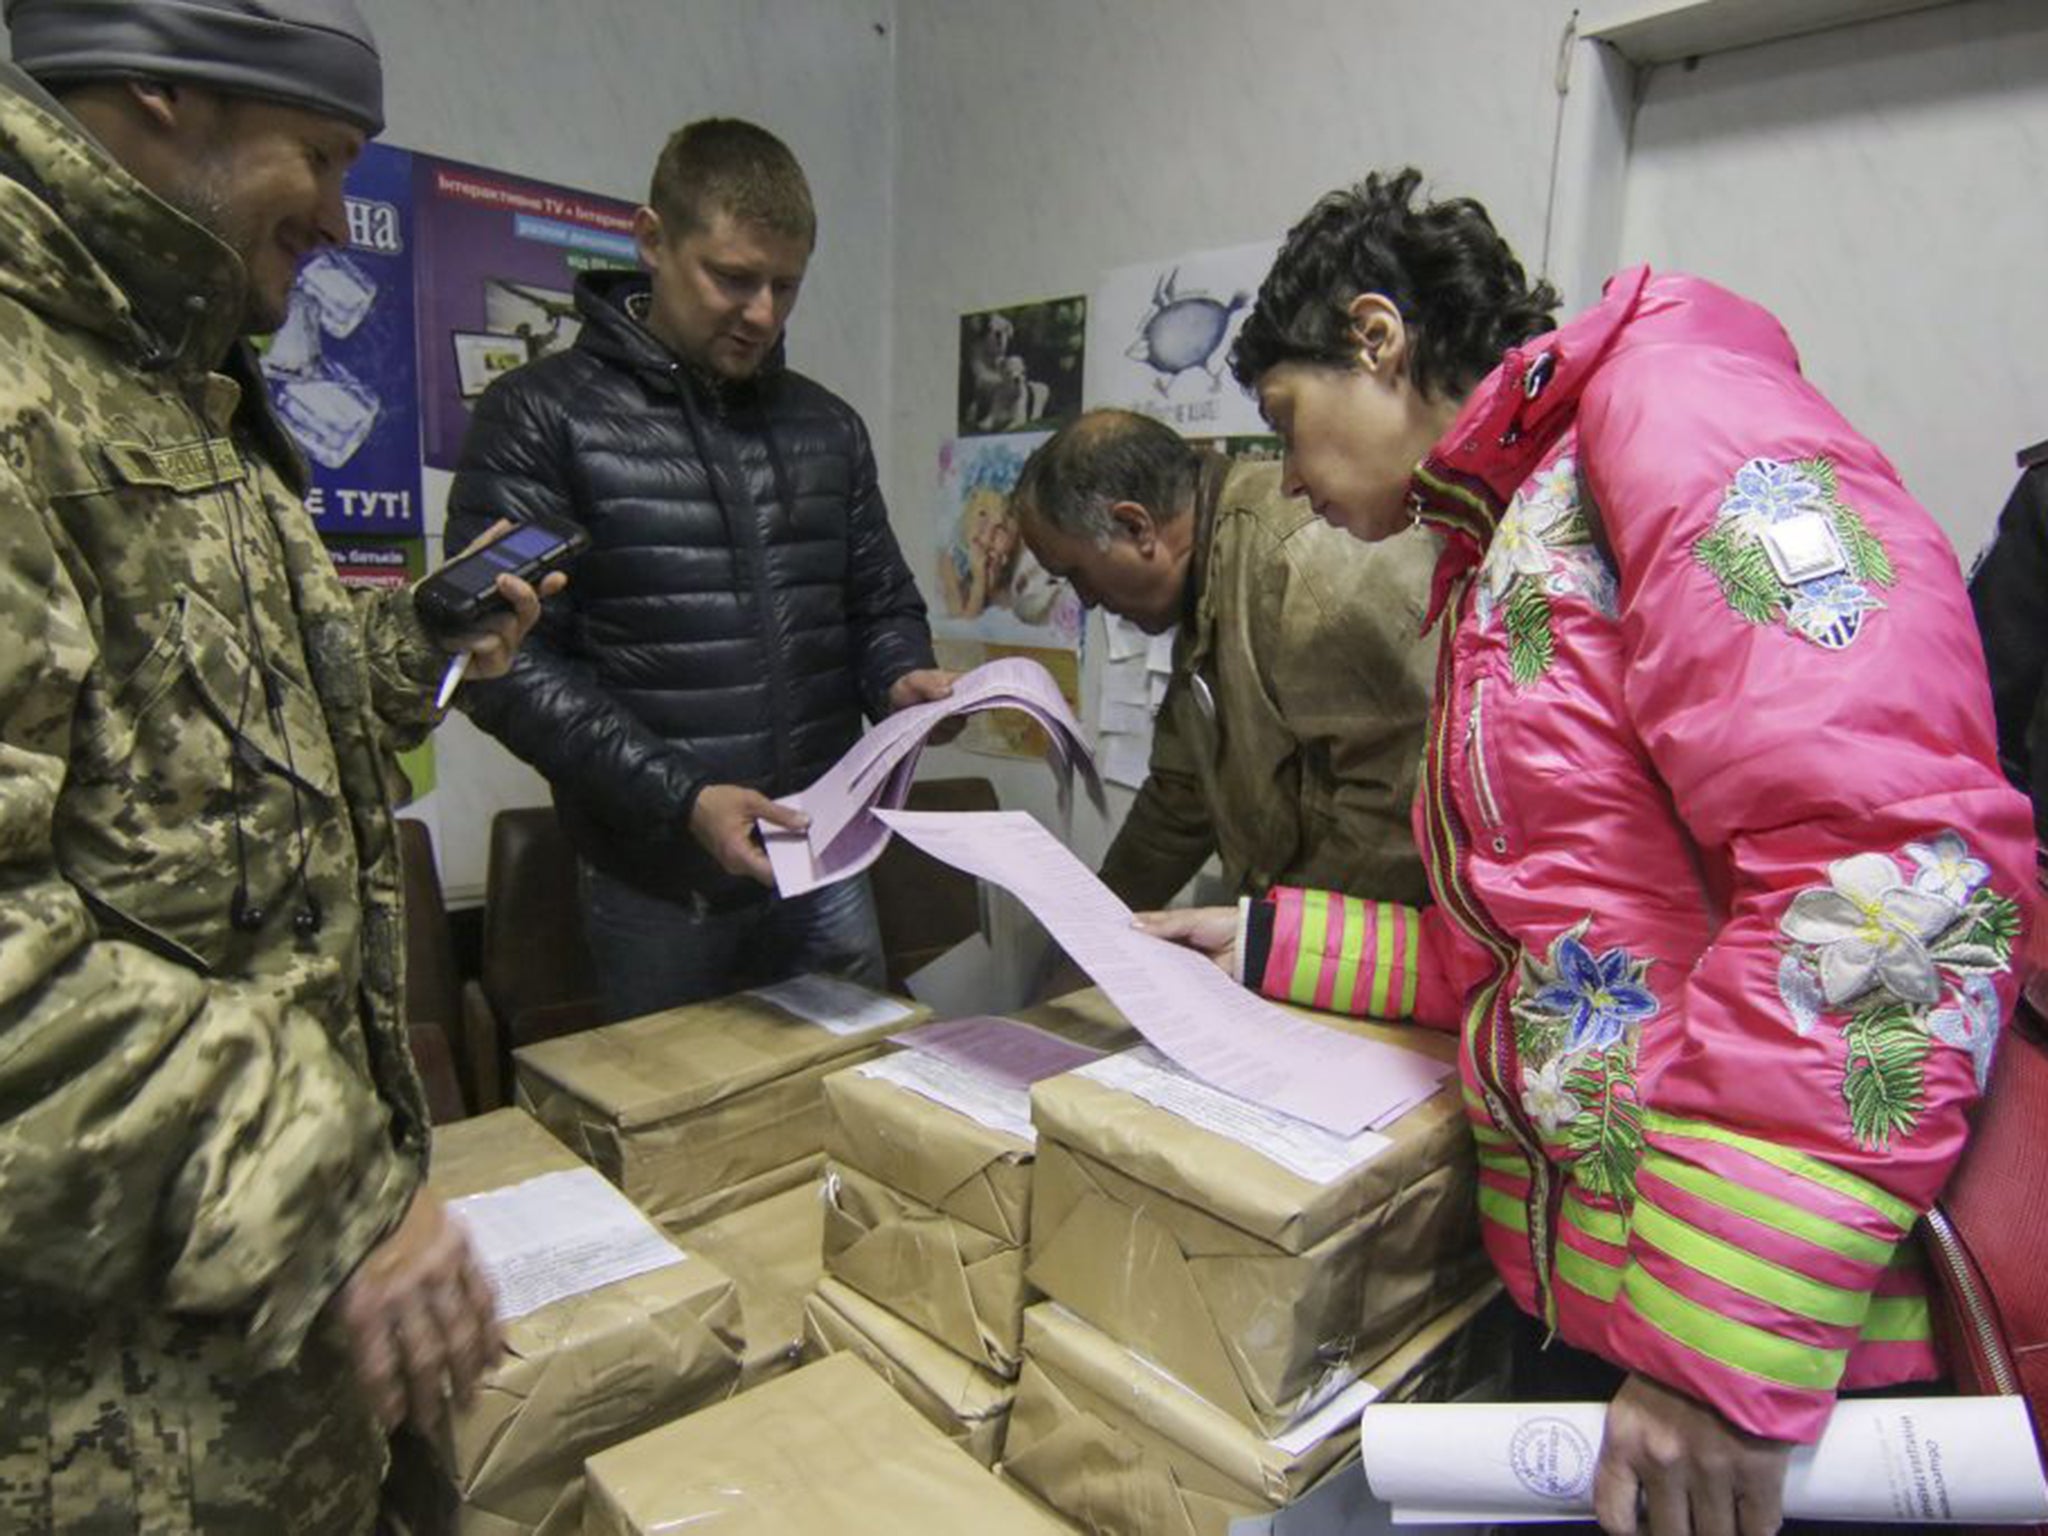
{"type": "Point", "coordinates": [1542, 549]}
{"type": "Point", "coordinates": [1786, 549]}
{"type": "Point", "coordinates": [1904, 959]}
{"type": "Point", "coordinates": [1577, 1017]}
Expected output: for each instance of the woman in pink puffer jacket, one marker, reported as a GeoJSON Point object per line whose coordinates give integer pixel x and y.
{"type": "Point", "coordinates": [1727, 880]}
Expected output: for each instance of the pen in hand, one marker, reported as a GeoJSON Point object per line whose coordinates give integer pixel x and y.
{"type": "Point", "coordinates": [452, 678]}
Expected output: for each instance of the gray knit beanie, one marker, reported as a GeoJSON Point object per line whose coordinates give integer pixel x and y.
{"type": "Point", "coordinates": [316, 54]}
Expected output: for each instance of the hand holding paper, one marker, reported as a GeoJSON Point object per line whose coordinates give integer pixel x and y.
{"type": "Point", "coordinates": [1882, 1461]}
{"type": "Point", "coordinates": [1180, 1002]}
{"type": "Point", "coordinates": [843, 837]}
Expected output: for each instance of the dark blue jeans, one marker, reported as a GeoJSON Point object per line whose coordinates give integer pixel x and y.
{"type": "Point", "coordinates": [652, 954]}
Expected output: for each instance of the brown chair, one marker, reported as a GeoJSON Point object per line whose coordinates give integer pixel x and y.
{"type": "Point", "coordinates": [433, 987]}
{"type": "Point", "coordinates": [927, 907]}
{"type": "Point", "coordinates": [535, 977]}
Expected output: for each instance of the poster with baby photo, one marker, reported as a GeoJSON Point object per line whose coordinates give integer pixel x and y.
{"type": "Point", "coordinates": [989, 586]}
{"type": "Point", "coordinates": [1022, 366]}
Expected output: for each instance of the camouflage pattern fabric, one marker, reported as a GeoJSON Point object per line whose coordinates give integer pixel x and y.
{"type": "Point", "coordinates": [202, 1129]}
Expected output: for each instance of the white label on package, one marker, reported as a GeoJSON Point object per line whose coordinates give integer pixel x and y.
{"type": "Point", "coordinates": [831, 1004]}
{"type": "Point", "coordinates": [559, 1235]}
{"type": "Point", "coordinates": [1320, 1156]}
{"type": "Point", "coordinates": [993, 1104]}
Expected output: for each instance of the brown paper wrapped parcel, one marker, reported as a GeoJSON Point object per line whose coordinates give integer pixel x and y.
{"type": "Point", "coordinates": [929, 1210]}
{"type": "Point", "coordinates": [580, 1374]}
{"type": "Point", "coordinates": [969, 1405]}
{"type": "Point", "coordinates": [697, 1111]}
{"type": "Point", "coordinates": [829, 1450]}
{"type": "Point", "coordinates": [774, 1251]}
{"type": "Point", "coordinates": [1252, 1284]}
{"type": "Point", "coordinates": [1122, 1450]}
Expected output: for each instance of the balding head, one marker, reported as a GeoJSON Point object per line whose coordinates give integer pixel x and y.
{"type": "Point", "coordinates": [1099, 459]}
{"type": "Point", "coordinates": [1106, 502]}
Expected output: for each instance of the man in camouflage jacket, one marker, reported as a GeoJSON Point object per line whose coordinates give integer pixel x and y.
{"type": "Point", "coordinates": [211, 1133]}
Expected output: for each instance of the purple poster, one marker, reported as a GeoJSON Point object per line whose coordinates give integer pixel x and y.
{"type": "Point", "coordinates": [498, 258]}
{"type": "Point", "coordinates": [342, 368]}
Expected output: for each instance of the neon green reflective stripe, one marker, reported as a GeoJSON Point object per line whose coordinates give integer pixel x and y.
{"type": "Point", "coordinates": [1897, 1320]}
{"type": "Point", "coordinates": [1411, 965]}
{"type": "Point", "coordinates": [1785, 1289]}
{"type": "Point", "coordinates": [1608, 1226]}
{"type": "Point", "coordinates": [1503, 1208]}
{"type": "Point", "coordinates": [1582, 1272]}
{"type": "Point", "coordinates": [1897, 1212]}
{"type": "Point", "coordinates": [1724, 1340]}
{"type": "Point", "coordinates": [1308, 954]}
{"type": "Point", "coordinates": [1780, 1215]}
{"type": "Point", "coordinates": [1473, 1103]}
{"type": "Point", "coordinates": [1382, 954]}
{"type": "Point", "coordinates": [1487, 1136]}
{"type": "Point", "coordinates": [1505, 1162]}
{"type": "Point", "coordinates": [1353, 946]}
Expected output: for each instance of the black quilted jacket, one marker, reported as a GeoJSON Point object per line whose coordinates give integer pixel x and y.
{"type": "Point", "coordinates": [742, 604]}
{"type": "Point", "coordinates": [2009, 590]}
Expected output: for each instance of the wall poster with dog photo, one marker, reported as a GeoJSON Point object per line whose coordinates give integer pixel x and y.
{"type": "Point", "coordinates": [1021, 367]}
{"type": "Point", "coordinates": [989, 586]}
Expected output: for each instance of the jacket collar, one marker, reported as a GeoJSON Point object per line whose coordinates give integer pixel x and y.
{"type": "Point", "coordinates": [1506, 426]}
{"type": "Point", "coordinates": [1209, 483]}
{"type": "Point", "coordinates": [94, 246]}
{"type": "Point", "coordinates": [613, 306]}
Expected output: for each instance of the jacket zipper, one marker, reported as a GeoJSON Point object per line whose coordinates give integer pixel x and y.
{"type": "Point", "coordinates": [1963, 1282]}
{"type": "Point", "coordinates": [1475, 755]}
{"type": "Point", "coordinates": [1485, 1023]}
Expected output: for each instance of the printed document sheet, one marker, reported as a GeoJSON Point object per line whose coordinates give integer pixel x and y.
{"type": "Point", "coordinates": [1882, 1461]}
{"type": "Point", "coordinates": [844, 838]}
{"type": "Point", "coordinates": [1176, 998]}
{"type": "Point", "coordinates": [559, 1235]}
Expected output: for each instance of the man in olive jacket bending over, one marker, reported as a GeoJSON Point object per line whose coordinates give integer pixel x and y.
{"type": "Point", "coordinates": [1290, 738]}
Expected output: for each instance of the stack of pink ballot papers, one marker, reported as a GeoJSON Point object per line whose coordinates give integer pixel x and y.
{"type": "Point", "coordinates": [844, 837]}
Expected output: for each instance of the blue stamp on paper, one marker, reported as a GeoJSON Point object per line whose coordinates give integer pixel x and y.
{"type": "Point", "coordinates": [1552, 1458]}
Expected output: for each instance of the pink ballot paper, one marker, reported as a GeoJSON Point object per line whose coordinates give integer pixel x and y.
{"type": "Point", "coordinates": [1206, 1022]}
{"type": "Point", "coordinates": [844, 838]}
{"type": "Point", "coordinates": [1001, 1050]}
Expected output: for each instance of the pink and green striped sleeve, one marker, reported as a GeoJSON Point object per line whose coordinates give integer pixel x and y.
{"type": "Point", "coordinates": [1343, 954]}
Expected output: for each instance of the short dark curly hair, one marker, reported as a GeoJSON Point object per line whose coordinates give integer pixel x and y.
{"type": "Point", "coordinates": [1459, 288]}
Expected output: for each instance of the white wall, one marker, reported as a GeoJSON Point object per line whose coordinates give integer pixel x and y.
{"type": "Point", "coordinates": [1884, 189]}
{"type": "Point", "coordinates": [585, 95]}
{"type": "Point", "coordinates": [1039, 144]}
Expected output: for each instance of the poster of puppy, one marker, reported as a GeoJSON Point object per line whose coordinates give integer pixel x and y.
{"type": "Point", "coordinates": [1021, 367]}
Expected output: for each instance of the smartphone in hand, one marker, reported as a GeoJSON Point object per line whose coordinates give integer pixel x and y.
{"type": "Point", "coordinates": [461, 593]}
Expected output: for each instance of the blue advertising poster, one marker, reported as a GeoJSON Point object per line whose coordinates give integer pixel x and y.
{"type": "Point", "coordinates": [343, 368]}
{"type": "Point", "coordinates": [499, 257]}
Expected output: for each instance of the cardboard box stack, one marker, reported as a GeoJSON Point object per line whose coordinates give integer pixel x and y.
{"type": "Point", "coordinates": [969, 1406]}
{"type": "Point", "coordinates": [581, 1373]}
{"type": "Point", "coordinates": [1254, 1283]}
{"type": "Point", "coordinates": [1229, 1287]}
{"type": "Point", "coordinates": [825, 1451]}
{"type": "Point", "coordinates": [929, 1187]}
{"type": "Point", "coordinates": [774, 1251]}
{"type": "Point", "coordinates": [702, 1110]}
{"type": "Point", "coordinates": [1125, 1450]}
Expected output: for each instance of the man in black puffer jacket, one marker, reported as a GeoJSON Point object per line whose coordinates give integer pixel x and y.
{"type": "Point", "coordinates": [742, 604]}
{"type": "Point", "coordinates": [2009, 590]}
